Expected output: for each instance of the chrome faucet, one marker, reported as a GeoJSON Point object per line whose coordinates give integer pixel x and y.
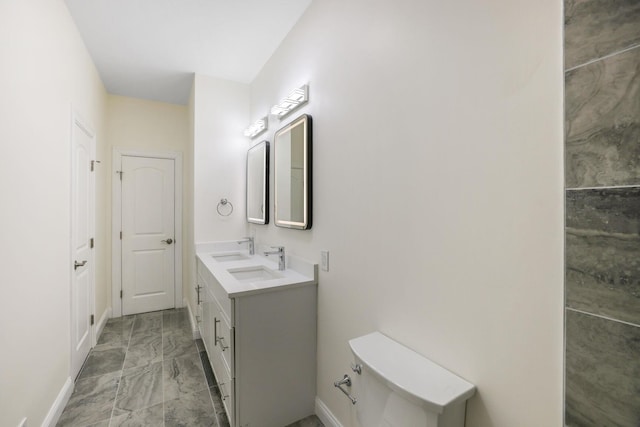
{"type": "Point", "coordinates": [279, 250]}
{"type": "Point", "coordinates": [250, 244]}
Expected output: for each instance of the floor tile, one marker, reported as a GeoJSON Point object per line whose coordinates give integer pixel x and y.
{"type": "Point", "coordinates": [145, 336]}
{"type": "Point", "coordinates": [177, 344]}
{"type": "Point", "coordinates": [147, 417]}
{"type": "Point", "coordinates": [91, 401]}
{"type": "Point", "coordinates": [173, 320]}
{"type": "Point", "coordinates": [183, 375]}
{"type": "Point", "coordinates": [148, 322]}
{"type": "Point", "coordinates": [103, 360]}
{"type": "Point", "coordinates": [190, 410]}
{"type": "Point", "coordinates": [104, 423]}
{"type": "Point", "coordinates": [310, 421]}
{"type": "Point", "coordinates": [116, 333]}
{"type": "Point", "coordinates": [140, 388]}
{"type": "Point", "coordinates": [144, 352]}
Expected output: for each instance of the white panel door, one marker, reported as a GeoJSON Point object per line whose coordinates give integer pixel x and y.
{"type": "Point", "coordinates": [148, 281]}
{"type": "Point", "coordinates": [82, 277]}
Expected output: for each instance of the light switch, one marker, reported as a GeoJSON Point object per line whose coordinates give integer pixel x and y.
{"type": "Point", "coordinates": [324, 255]}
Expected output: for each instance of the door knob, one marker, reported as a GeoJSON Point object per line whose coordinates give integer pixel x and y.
{"type": "Point", "coordinates": [168, 241]}
{"type": "Point", "coordinates": [77, 264]}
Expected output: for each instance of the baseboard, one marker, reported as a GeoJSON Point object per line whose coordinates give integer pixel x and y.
{"type": "Point", "coordinates": [102, 322]}
{"type": "Point", "coordinates": [325, 415]}
{"type": "Point", "coordinates": [194, 325]}
{"type": "Point", "coordinates": [58, 405]}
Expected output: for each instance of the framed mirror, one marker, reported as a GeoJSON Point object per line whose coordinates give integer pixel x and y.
{"type": "Point", "coordinates": [258, 183]}
{"type": "Point", "coordinates": [292, 170]}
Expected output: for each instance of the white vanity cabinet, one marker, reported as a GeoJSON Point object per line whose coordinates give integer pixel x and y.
{"type": "Point", "coordinates": [262, 348]}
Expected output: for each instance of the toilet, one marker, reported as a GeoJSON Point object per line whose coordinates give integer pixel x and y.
{"type": "Point", "coordinates": [393, 386]}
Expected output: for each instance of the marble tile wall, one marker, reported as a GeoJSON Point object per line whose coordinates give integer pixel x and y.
{"type": "Point", "coordinates": [602, 122]}
{"type": "Point", "coordinates": [597, 28]}
{"type": "Point", "coordinates": [602, 178]}
{"type": "Point", "coordinates": [602, 378]}
{"type": "Point", "coordinates": [603, 252]}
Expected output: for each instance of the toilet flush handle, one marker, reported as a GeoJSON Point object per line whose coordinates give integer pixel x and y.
{"type": "Point", "coordinates": [345, 381]}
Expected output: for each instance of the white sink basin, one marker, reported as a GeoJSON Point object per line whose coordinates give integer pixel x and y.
{"type": "Point", "coordinates": [233, 256]}
{"type": "Point", "coordinates": [254, 273]}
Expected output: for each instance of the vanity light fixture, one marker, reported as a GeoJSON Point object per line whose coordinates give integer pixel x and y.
{"type": "Point", "coordinates": [295, 99]}
{"type": "Point", "coordinates": [257, 128]}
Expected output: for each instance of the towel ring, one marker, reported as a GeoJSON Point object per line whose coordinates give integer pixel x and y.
{"type": "Point", "coordinates": [224, 202]}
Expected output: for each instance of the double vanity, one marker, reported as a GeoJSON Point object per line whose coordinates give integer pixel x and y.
{"type": "Point", "coordinates": [257, 318]}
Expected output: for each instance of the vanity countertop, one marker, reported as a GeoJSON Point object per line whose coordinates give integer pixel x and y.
{"type": "Point", "coordinates": [225, 260]}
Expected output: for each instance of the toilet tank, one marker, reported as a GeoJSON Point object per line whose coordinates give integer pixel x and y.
{"type": "Point", "coordinates": [398, 387]}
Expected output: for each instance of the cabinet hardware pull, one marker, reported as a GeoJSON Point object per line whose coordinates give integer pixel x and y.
{"type": "Point", "coordinates": [224, 396]}
{"type": "Point", "coordinates": [215, 334]}
{"type": "Point", "coordinates": [198, 287]}
{"type": "Point", "coordinates": [215, 331]}
{"type": "Point", "coordinates": [222, 346]}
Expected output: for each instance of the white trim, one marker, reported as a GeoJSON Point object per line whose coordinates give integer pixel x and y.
{"type": "Point", "coordinates": [101, 323]}
{"type": "Point", "coordinates": [325, 415]}
{"type": "Point", "coordinates": [195, 331]}
{"type": "Point", "coordinates": [58, 405]}
{"type": "Point", "coordinates": [116, 223]}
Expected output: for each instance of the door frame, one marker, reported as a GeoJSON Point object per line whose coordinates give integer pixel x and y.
{"type": "Point", "coordinates": [78, 120]}
{"type": "Point", "coordinates": [116, 222]}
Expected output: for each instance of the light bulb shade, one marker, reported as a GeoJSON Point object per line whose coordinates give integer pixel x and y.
{"type": "Point", "coordinates": [295, 99]}
{"type": "Point", "coordinates": [257, 127]}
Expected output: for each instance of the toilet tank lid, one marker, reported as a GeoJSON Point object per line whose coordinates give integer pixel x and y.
{"type": "Point", "coordinates": [405, 370]}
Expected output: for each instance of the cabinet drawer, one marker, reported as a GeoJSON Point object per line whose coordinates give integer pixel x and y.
{"type": "Point", "coordinates": [214, 287]}
{"type": "Point", "coordinates": [220, 296]}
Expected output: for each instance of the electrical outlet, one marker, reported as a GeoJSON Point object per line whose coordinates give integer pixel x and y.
{"type": "Point", "coordinates": [324, 263]}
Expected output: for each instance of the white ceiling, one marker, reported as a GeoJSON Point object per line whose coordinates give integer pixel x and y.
{"type": "Point", "coordinates": [150, 48]}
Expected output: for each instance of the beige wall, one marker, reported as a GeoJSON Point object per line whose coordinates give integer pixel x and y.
{"type": "Point", "coordinates": [150, 126]}
{"type": "Point", "coordinates": [437, 189]}
{"type": "Point", "coordinates": [45, 70]}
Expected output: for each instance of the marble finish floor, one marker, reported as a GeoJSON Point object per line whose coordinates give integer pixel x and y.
{"type": "Point", "coordinates": [147, 370]}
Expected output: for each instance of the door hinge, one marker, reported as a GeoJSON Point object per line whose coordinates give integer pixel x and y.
{"type": "Point", "coordinates": [121, 235]}
{"type": "Point", "coordinates": [119, 173]}
{"type": "Point", "coordinates": [91, 243]}
{"type": "Point", "coordinates": [120, 293]}
{"type": "Point", "coordinates": [92, 319]}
